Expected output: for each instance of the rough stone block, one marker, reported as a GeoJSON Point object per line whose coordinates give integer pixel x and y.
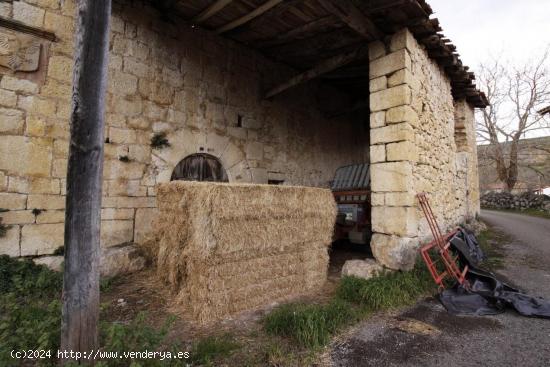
{"type": "Point", "coordinates": [116, 232]}
{"type": "Point", "coordinates": [403, 76]}
{"type": "Point", "coordinates": [24, 156]}
{"type": "Point", "coordinates": [12, 201]}
{"type": "Point", "coordinates": [114, 169]}
{"type": "Point", "coordinates": [120, 260]}
{"type": "Point", "coordinates": [46, 202]}
{"type": "Point", "coordinates": [17, 217]}
{"type": "Point", "coordinates": [392, 133]}
{"type": "Point", "coordinates": [130, 108]}
{"type": "Point", "coordinates": [377, 49]}
{"type": "Point", "coordinates": [51, 216]}
{"type": "Point", "coordinates": [364, 269]}
{"type": "Point", "coordinates": [377, 119]}
{"type": "Point", "coordinates": [398, 253]}
{"type": "Point", "coordinates": [61, 68]}
{"type": "Point", "coordinates": [9, 244]}
{"type": "Point", "coordinates": [28, 14]}
{"type": "Point", "coordinates": [388, 98]}
{"type": "Point", "coordinates": [389, 64]}
{"type": "Point", "coordinates": [122, 136]}
{"type": "Point", "coordinates": [400, 221]}
{"type": "Point", "coordinates": [143, 223]}
{"type": "Point", "coordinates": [41, 239]}
{"type": "Point", "coordinates": [34, 185]}
{"type": "Point", "coordinates": [11, 121]}
{"type": "Point", "coordinates": [122, 84]}
{"type": "Point", "coordinates": [400, 199]}
{"type": "Point", "coordinates": [7, 98]}
{"type": "Point", "coordinates": [402, 114]}
{"type": "Point", "coordinates": [377, 153]}
{"type": "Point", "coordinates": [391, 176]}
{"type": "Point", "coordinates": [139, 123]}
{"type": "Point", "coordinates": [114, 213]}
{"type": "Point", "coordinates": [123, 187]}
{"type": "Point", "coordinates": [3, 181]}
{"type": "Point", "coordinates": [18, 85]}
{"type": "Point", "coordinates": [259, 175]}
{"type": "Point", "coordinates": [59, 168]}
{"type": "Point", "coordinates": [402, 151]}
{"type": "Point", "coordinates": [54, 263]}
{"type": "Point", "coordinates": [377, 199]}
{"type": "Point", "coordinates": [377, 84]}
{"type": "Point", "coordinates": [139, 153]}
{"type": "Point", "coordinates": [403, 39]}
{"type": "Point", "coordinates": [128, 202]}
{"type": "Point", "coordinates": [255, 151]}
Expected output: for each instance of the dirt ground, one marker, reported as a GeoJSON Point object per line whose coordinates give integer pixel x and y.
{"type": "Point", "coordinates": [502, 340]}
{"type": "Point", "coordinates": [129, 295]}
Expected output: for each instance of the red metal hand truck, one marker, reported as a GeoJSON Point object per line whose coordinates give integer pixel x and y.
{"type": "Point", "coordinates": [441, 246]}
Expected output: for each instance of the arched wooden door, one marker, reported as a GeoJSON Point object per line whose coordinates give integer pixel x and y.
{"type": "Point", "coordinates": [200, 167]}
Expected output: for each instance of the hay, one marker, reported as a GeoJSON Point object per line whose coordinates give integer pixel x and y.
{"type": "Point", "coordinates": [226, 248]}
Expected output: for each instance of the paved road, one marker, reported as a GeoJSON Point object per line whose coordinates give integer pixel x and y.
{"type": "Point", "coordinates": [502, 340]}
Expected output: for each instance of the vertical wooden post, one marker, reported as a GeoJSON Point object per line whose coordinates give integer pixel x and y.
{"type": "Point", "coordinates": [79, 328]}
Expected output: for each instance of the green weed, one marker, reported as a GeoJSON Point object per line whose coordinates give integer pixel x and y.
{"type": "Point", "coordinates": [308, 324]}
{"type": "Point", "coordinates": [207, 350]}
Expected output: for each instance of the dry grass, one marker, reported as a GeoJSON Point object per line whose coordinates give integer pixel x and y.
{"type": "Point", "coordinates": [226, 248]}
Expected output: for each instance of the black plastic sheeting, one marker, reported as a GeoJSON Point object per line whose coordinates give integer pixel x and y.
{"type": "Point", "coordinates": [487, 294]}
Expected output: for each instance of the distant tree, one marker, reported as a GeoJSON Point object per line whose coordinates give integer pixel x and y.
{"type": "Point", "coordinates": [516, 95]}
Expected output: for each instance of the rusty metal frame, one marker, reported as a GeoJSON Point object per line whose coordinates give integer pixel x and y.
{"type": "Point", "coordinates": [441, 245]}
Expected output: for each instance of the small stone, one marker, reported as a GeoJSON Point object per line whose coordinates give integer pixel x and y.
{"type": "Point", "coordinates": [365, 269]}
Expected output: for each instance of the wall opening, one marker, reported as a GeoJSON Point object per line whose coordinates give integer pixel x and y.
{"type": "Point", "coordinates": [200, 167]}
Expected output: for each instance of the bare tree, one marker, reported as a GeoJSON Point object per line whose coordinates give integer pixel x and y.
{"type": "Point", "coordinates": [515, 95]}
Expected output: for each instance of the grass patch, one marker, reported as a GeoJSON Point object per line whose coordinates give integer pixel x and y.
{"type": "Point", "coordinates": [30, 319]}
{"type": "Point", "coordinates": [533, 212]}
{"type": "Point", "coordinates": [310, 325]}
{"type": "Point", "coordinates": [30, 308]}
{"type": "Point", "coordinates": [206, 351]}
{"type": "Point", "coordinates": [387, 290]}
{"type": "Point", "coordinates": [491, 243]}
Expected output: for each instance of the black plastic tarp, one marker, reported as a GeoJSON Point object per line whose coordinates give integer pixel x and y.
{"type": "Point", "coordinates": [486, 294]}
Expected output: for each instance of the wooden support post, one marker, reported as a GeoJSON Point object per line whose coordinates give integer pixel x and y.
{"type": "Point", "coordinates": [80, 315]}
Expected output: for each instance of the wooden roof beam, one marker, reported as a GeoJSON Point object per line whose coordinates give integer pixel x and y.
{"type": "Point", "coordinates": [248, 17]}
{"type": "Point", "coordinates": [323, 67]}
{"type": "Point", "coordinates": [353, 17]}
{"type": "Point", "coordinates": [211, 10]}
{"type": "Point", "coordinates": [299, 32]}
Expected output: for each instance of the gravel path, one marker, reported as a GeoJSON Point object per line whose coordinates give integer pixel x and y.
{"type": "Point", "coordinates": [426, 335]}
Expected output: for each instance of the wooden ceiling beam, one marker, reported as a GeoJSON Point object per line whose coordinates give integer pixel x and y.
{"type": "Point", "coordinates": [323, 67]}
{"type": "Point", "coordinates": [211, 10]}
{"type": "Point", "coordinates": [248, 17]}
{"type": "Point", "coordinates": [299, 32]}
{"type": "Point", "coordinates": [353, 17]}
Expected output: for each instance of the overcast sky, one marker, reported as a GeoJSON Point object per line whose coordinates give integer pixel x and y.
{"type": "Point", "coordinates": [514, 28]}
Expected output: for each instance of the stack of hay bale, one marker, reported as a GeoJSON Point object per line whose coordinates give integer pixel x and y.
{"type": "Point", "coordinates": [226, 248]}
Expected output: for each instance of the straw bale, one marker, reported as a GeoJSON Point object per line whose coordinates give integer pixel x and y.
{"type": "Point", "coordinates": [226, 248]}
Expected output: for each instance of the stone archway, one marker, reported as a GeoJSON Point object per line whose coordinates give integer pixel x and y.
{"type": "Point", "coordinates": [200, 167]}
{"type": "Point", "coordinates": [185, 142]}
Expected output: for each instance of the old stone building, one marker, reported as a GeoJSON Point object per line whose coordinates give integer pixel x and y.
{"type": "Point", "coordinates": [280, 92]}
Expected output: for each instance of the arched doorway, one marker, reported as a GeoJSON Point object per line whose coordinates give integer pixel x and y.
{"type": "Point", "coordinates": [199, 167]}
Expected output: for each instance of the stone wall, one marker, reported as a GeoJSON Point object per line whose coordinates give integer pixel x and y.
{"type": "Point", "coordinates": [413, 149]}
{"type": "Point", "coordinates": [203, 91]}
